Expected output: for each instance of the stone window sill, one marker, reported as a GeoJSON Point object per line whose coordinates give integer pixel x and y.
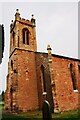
{"type": "Point", "coordinates": [75, 91]}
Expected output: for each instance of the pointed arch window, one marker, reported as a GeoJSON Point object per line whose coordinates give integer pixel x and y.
{"type": "Point", "coordinates": [73, 77]}
{"type": "Point", "coordinates": [43, 78]}
{"type": "Point", "coordinates": [25, 34]}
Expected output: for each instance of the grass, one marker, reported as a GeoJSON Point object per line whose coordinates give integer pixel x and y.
{"type": "Point", "coordinates": [67, 115]}
{"type": "Point", "coordinates": [32, 115]}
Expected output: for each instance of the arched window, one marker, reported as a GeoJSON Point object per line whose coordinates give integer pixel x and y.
{"type": "Point", "coordinates": [25, 34]}
{"type": "Point", "coordinates": [43, 78]}
{"type": "Point", "coordinates": [73, 77]}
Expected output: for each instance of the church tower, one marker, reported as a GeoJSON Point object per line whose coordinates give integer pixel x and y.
{"type": "Point", "coordinates": [21, 93]}
{"type": "Point", "coordinates": [23, 33]}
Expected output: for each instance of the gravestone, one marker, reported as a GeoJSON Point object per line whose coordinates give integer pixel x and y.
{"type": "Point", "coordinates": [46, 109]}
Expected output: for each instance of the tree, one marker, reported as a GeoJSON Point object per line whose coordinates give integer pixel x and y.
{"type": "Point", "coordinates": [2, 95]}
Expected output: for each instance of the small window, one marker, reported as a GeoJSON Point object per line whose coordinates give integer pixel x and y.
{"type": "Point", "coordinates": [73, 77]}
{"type": "Point", "coordinates": [27, 74]}
{"type": "Point", "coordinates": [25, 36]}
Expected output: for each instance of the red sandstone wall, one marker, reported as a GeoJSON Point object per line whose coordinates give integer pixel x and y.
{"type": "Point", "coordinates": [67, 98]}
{"type": "Point", "coordinates": [28, 91]}
{"type": "Point", "coordinates": [42, 59]}
{"type": "Point", "coordinates": [27, 96]}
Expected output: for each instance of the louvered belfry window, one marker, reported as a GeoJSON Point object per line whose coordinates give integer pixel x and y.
{"type": "Point", "coordinates": [25, 36]}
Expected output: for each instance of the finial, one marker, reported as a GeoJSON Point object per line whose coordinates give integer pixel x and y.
{"type": "Point", "coordinates": [49, 53]}
{"type": "Point", "coordinates": [11, 21]}
{"type": "Point", "coordinates": [33, 21]}
{"type": "Point", "coordinates": [17, 15]}
{"type": "Point", "coordinates": [11, 24]}
{"type": "Point", "coordinates": [32, 16]}
{"type": "Point", "coordinates": [49, 49]}
{"type": "Point", "coordinates": [17, 10]}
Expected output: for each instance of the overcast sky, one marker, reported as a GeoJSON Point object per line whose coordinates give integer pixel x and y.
{"type": "Point", "coordinates": [56, 24]}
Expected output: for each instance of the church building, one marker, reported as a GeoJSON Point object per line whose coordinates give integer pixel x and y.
{"type": "Point", "coordinates": [30, 73]}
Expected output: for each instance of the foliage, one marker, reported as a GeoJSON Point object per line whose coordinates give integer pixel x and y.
{"type": "Point", "coordinates": [1, 105]}
{"type": "Point", "coordinates": [2, 96]}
